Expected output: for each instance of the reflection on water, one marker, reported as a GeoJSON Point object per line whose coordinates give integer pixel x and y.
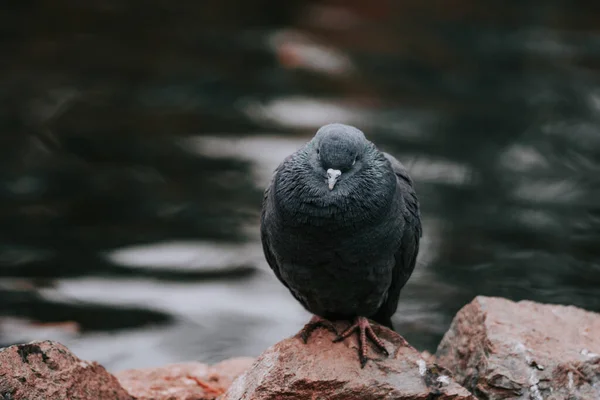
{"type": "Point", "coordinates": [137, 139]}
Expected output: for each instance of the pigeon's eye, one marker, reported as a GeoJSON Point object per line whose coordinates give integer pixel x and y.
{"type": "Point", "coordinates": [354, 162]}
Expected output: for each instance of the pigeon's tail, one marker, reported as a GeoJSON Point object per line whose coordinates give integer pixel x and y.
{"type": "Point", "coordinates": [384, 320]}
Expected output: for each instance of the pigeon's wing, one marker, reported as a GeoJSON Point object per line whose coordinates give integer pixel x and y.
{"type": "Point", "coordinates": [267, 207]}
{"type": "Point", "coordinates": [406, 256]}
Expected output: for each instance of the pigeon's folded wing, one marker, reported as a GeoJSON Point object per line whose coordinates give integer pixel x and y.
{"type": "Point", "coordinates": [406, 255]}
{"type": "Point", "coordinates": [267, 210]}
{"type": "Point", "coordinates": [267, 207]}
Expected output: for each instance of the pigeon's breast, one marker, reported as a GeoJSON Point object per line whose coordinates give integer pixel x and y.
{"type": "Point", "coordinates": [340, 212]}
{"type": "Point", "coordinates": [339, 276]}
{"type": "Point", "coordinates": [338, 271]}
{"type": "Point", "coordinates": [343, 243]}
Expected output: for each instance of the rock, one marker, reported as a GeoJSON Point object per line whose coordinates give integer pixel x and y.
{"type": "Point", "coordinates": [185, 381]}
{"type": "Point", "coordinates": [324, 370]}
{"type": "Point", "coordinates": [427, 356]}
{"type": "Point", "coordinates": [49, 371]}
{"type": "Point", "coordinates": [500, 349]}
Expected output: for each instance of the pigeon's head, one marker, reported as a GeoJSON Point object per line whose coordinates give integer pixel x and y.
{"type": "Point", "coordinates": [339, 174]}
{"type": "Point", "coordinates": [338, 152]}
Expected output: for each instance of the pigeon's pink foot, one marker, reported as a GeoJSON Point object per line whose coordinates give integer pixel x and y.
{"type": "Point", "coordinates": [314, 323]}
{"type": "Point", "coordinates": [364, 329]}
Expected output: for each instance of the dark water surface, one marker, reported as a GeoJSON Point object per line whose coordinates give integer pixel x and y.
{"type": "Point", "coordinates": [137, 137]}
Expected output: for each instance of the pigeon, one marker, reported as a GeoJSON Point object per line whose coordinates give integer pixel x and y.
{"type": "Point", "coordinates": [340, 228]}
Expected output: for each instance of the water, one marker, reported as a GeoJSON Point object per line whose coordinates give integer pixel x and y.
{"type": "Point", "coordinates": [137, 138]}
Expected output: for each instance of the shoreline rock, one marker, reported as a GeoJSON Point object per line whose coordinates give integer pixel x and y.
{"type": "Point", "coordinates": [499, 349]}
{"type": "Point", "coordinates": [321, 369]}
{"type": "Point", "coordinates": [184, 381]}
{"type": "Point", "coordinates": [48, 370]}
{"type": "Point", "coordinates": [495, 348]}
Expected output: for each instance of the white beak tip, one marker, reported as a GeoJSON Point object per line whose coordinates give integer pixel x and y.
{"type": "Point", "coordinates": [332, 177]}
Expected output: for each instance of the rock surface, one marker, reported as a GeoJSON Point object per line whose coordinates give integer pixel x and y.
{"type": "Point", "coordinates": [185, 381]}
{"type": "Point", "coordinates": [496, 348]}
{"type": "Point", "coordinates": [49, 371]}
{"type": "Point", "coordinates": [324, 370]}
{"type": "Point", "coordinates": [500, 349]}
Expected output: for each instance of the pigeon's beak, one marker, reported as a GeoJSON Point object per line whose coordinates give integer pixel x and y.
{"type": "Point", "coordinates": [332, 177]}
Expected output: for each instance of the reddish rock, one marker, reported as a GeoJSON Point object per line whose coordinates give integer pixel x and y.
{"type": "Point", "coordinates": [186, 381]}
{"type": "Point", "coordinates": [49, 371]}
{"type": "Point", "coordinates": [499, 349]}
{"type": "Point", "coordinates": [324, 370]}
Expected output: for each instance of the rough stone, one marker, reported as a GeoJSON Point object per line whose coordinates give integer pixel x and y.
{"type": "Point", "coordinates": [500, 349]}
{"type": "Point", "coordinates": [49, 371]}
{"type": "Point", "coordinates": [324, 370]}
{"type": "Point", "coordinates": [185, 381]}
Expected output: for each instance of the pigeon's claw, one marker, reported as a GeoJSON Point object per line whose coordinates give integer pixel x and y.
{"type": "Point", "coordinates": [363, 326]}
{"type": "Point", "coordinates": [314, 323]}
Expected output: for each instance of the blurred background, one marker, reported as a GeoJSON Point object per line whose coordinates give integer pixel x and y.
{"type": "Point", "coordinates": [137, 136]}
